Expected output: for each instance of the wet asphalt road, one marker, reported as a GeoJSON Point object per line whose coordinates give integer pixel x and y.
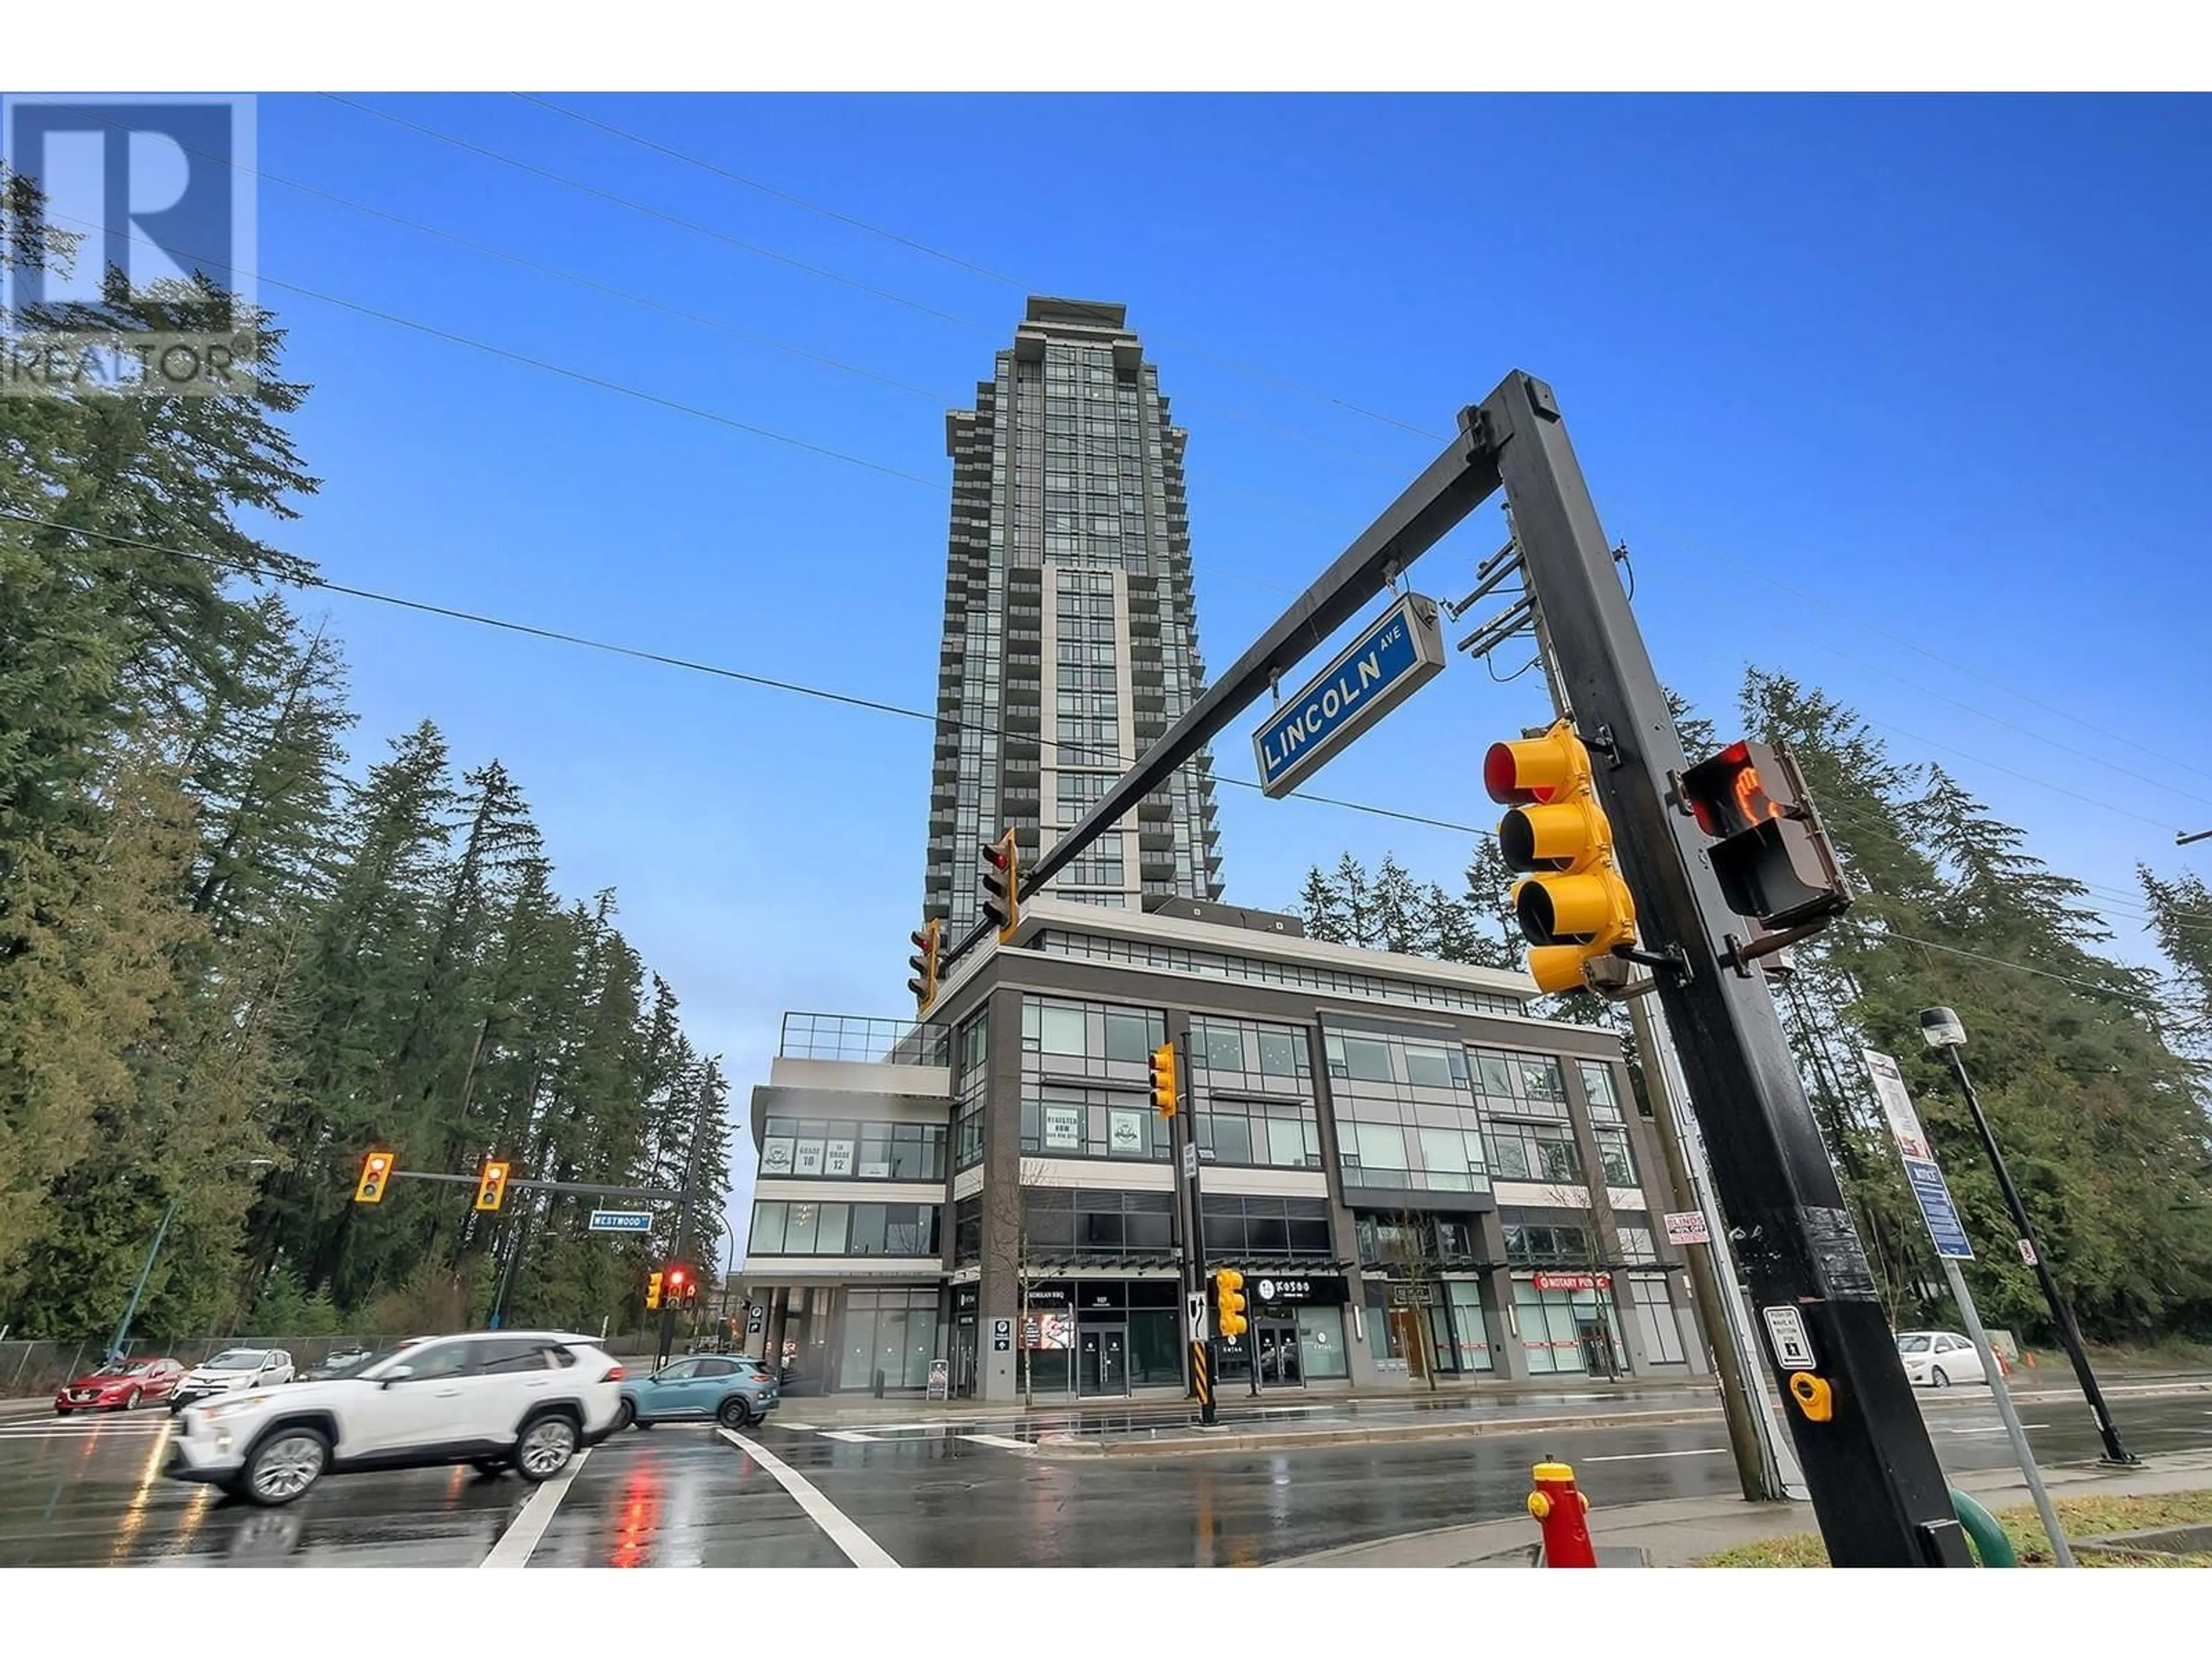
{"type": "Point", "coordinates": [91, 1493]}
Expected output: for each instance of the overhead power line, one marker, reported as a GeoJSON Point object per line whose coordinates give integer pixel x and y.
{"type": "Point", "coordinates": [640, 653]}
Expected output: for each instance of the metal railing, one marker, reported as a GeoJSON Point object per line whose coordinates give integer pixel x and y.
{"type": "Point", "coordinates": [861, 1037]}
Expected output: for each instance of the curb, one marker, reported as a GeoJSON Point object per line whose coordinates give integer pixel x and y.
{"type": "Point", "coordinates": [1194, 1446]}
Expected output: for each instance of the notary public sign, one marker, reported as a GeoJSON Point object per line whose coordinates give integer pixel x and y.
{"type": "Point", "coordinates": [1402, 652]}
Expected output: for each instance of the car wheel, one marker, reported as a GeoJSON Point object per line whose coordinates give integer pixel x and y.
{"type": "Point", "coordinates": [285, 1465]}
{"type": "Point", "coordinates": [735, 1413]}
{"type": "Point", "coordinates": [130, 1400]}
{"type": "Point", "coordinates": [1936, 1379]}
{"type": "Point", "coordinates": [625, 1415]}
{"type": "Point", "coordinates": [544, 1448]}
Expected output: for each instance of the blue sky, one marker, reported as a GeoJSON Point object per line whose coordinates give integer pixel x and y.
{"type": "Point", "coordinates": [1939, 361]}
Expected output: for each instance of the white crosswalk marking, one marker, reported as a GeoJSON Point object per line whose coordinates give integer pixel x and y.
{"type": "Point", "coordinates": [522, 1534]}
{"type": "Point", "coordinates": [1002, 1442]}
{"type": "Point", "coordinates": [859, 1549]}
{"type": "Point", "coordinates": [849, 1434]}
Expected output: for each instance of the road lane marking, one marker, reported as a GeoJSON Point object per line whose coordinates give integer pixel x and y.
{"type": "Point", "coordinates": [772, 1423]}
{"type": "Point", "coordinates": [1632, 1458]}
{"type": "Point", "coordinates": [852, 1434]}
{"type": "Point", "coordinates": [1001, 1441]}
{"type": "Point", "coordinates": [859, 1549]}
{"type": "Point", "coordinates": [1991, 1428]}
{"type": "Point", "coordinates": [522, 1534]}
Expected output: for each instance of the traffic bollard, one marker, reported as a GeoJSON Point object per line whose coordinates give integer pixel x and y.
{"type": "Point", "coordinates": [1561, 1515]}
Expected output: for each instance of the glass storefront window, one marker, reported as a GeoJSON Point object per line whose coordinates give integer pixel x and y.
{"type": "Point", "coordinates": [1470, 1330]}
{"type": "Point", "coordinates": [1322, 1351]}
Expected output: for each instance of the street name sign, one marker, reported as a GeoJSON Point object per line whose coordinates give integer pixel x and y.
{"type": "Point", "coordinates": [1922, 1172]}
{"type": "Point", "coordinates": [1398, 655]}
{"type": "Point", "coordinates": [621, 1221]}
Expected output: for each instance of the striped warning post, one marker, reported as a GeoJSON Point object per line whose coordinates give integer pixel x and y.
{"type": "Point", "coordinates": [1200, 1377]}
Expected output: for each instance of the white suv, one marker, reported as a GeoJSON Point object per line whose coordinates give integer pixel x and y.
{"type": "Point", "coordinates": [234, 1370]}
{"type": "Point", "coordinates": [525, 1400]}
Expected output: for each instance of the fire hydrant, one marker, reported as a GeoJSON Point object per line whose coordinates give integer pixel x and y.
{"type": "Point", "coordinates": [1561, 1512]}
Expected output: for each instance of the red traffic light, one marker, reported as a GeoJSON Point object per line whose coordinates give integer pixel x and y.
{"type": "Point", "coordinates": [997, 854]}
{"type": "Point", "coordinates": [676, 1275]}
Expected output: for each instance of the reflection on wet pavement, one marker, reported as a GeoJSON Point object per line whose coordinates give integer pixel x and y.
{"type": "Point", "coordinates": [93, 1494]}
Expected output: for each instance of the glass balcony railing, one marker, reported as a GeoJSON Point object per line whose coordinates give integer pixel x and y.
{"type": "Point", "coordinates": [864, 1039]}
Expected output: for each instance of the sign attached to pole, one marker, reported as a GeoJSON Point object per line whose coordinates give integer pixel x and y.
{"type": "Point", "coordinates": [1002, 1336]}
{"type": "Point", "coordinates": [1687, 1227]}
{"type": "Point", "coordinates": [621, 1221]}
{"type": "Point", "coordinates": [1189, 1160]}
{"type": "Point", "coordinates": [1398, 655]}
{"type": "Point", "coordinates": [1922, 1173]}
{"type": "Point", "coordinates": [1193, 1313]}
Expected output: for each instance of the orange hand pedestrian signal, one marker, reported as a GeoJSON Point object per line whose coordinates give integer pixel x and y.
{"type": "Point", "coordinates": [375, 1171]}
{"type": "Point", "coordinates": [1772, 858]}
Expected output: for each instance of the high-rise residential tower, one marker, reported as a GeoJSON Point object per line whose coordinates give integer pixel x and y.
{"type": "Point", "coordinates": [1070, 637]}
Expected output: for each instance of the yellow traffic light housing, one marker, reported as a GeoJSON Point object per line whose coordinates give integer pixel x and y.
{"type": "Point", "coordinates": [1229, 1301]}
{"type": "Point", "coordinates": [929, 945]}
{"type": "Point", "coordinates": [653, 1291]}
{"type": "Point", "coordinates": [491, 1185]}
{"type": "Point", "coordinates": [375, 1173]}
{"type": "Point", "coordinates": [1164, 1080]}
{"type": "Point", "coordinates": [1001, 876]}
{"type": "Point", "coordinates": [1572, 905]}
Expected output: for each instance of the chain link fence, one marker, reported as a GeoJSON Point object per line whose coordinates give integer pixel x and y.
{"type": "Point", "coordinates": [30, 1370]}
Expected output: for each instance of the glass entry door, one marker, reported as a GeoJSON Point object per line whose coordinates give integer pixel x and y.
{"type": "Point", "coordinates": [1279, 1354]}
{"type": "Point", "coordinates": [1103, 1360]}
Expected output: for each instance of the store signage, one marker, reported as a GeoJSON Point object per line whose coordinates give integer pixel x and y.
{"type": "Point", "coordinates": [1126, 1132]}
{"type": "Point", "coordinates": [1002, 1336]}
{"type": "Point", "coordinates": [1407, 1296]}
{"type": "Point", "coordinates": [1687, 1227]}
{"type": "Point", "coordinates": [1063, 1127]}
{"type": "Point", "coordinates": [1574, 1281]}
{"type": "Point", "coordinates": [776, 1159]}
{"type": "Point", "coordinates": [941, 1380]}
{"type": "Point", "coordinates": [837, 1160]}
{"type": "Point", "coordinates": [1280, 1289]}
{"type": "Point", "coordinates": [810, 1158]}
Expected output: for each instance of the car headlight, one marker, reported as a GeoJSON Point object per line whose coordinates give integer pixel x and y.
{"type": "Point", "coordinates": [228, 1407]}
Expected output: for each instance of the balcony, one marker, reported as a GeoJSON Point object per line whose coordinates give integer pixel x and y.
{"type": "Point", "coordinates": [866, 1038]}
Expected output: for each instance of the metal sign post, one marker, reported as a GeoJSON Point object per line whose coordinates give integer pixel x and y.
{"type": "Point", "coordinates": [1949, 1235]}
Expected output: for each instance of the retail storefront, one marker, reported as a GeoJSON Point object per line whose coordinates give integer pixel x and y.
{"type": "Point", "coordinates": [1297, 1331]}
{"type": "Point", "coordinates": [890, 1336]}
{"type": "Point", "coordinates": [1094, 1338]}
{"type": "Point", "coordinates": [1568, 1324]}
{"type": "Point", "coordinates": [1441, 1325]}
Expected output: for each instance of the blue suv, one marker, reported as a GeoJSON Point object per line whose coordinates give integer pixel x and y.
{"type": "Point", "coordinates": [731, 1389]}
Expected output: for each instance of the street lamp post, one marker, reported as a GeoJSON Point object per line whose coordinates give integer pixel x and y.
{"type": "Point", "coordinates": [146, 1268]}
{"type": "Point", "coordinates": [1942, 1029]}
{"type": "Point", "coordinates": [722, 1319]}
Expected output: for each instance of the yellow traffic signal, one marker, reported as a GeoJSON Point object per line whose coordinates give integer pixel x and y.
{"type": "Point", "coordinates": [1229, 1301]}
{"type": "Point", "coordinates": [652, 1289]}
{"type": "Point", "coordinates": [929, 942]}
{"type": "Point", "coordinates": [1001, 875]}
{"type": "Point", "coordinates": [1573, 906]}
{"type": "Point", "coordinates": [1164, 1080]}
{"type": "Point", "coordinates": [375, 1171]}
{"type": "Point", "coordinates": [491, 1185]}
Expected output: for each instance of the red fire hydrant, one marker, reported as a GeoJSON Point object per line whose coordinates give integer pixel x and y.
{"type": "Point", "coordinates": [1560, 1511]}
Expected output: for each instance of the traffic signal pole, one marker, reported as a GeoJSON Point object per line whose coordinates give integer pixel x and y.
{"type": "Point", "coordinates": [1877, 1489]}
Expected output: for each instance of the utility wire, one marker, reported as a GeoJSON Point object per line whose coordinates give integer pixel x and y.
{"type": "Point", "coordinates": [716, 168]}
{"type": "Point", "coordinates": [871, 704]}
{"type": "Point", "coordinates": [690, 665]}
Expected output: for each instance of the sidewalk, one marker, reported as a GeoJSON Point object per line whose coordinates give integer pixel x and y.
{"type": "Point", "coordinates": [1679, 1531]}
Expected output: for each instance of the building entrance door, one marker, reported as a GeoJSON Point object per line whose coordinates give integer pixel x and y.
{"type": "Point", "coordinates": [1279, 1354]}
{"type": "Point", "coordinates": [1103, 1366]}
{"type": "Point", "coordinates": [1597, 1351]}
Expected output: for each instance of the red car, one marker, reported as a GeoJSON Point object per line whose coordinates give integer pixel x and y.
{"type": "Point", "coordinates": [119, 1385]}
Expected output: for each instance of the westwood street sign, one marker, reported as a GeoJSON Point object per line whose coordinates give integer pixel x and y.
{"type": "Point", "coordinates": [1397, 654]}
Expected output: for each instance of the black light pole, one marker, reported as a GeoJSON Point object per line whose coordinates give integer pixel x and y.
{"type": "Point", "coordinates": [1942, 1030]}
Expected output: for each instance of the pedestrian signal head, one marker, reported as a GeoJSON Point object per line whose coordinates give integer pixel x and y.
{"type": "Point", "coordinates": [375, 1172]}
{"type": "Point", "coordinates": [1773, 859]}
{"type": "Point", "coordinates": [1164, 1080]}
